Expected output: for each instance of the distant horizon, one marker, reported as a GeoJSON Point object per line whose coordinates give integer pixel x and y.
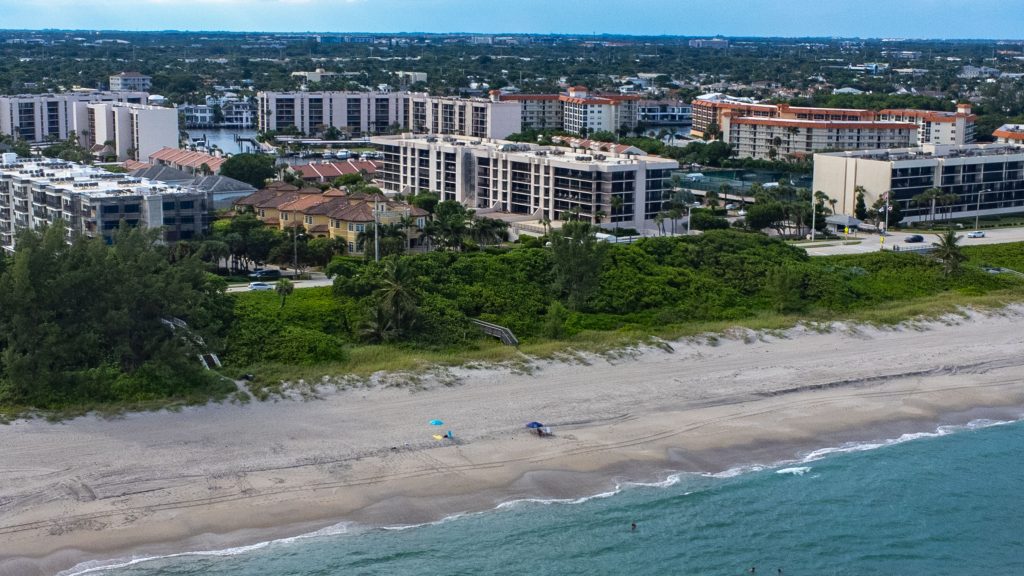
{"type": "Point", "coordinates": [866, 19]}
{"type": "Point", "coordinates": [486, 33]}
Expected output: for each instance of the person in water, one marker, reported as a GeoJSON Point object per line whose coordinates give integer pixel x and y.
{"type": "Point", "coordinates": [632, 527]}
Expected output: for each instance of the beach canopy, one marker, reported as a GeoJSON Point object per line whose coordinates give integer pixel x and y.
{"type": "Point", "coordinates": [436, 423]}
{"type": "Point", "coordinates": [534, 425]}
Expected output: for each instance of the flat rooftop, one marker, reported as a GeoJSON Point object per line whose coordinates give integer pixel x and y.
{"type": "Point", "coordinates": [590, 153]}
{"type": "Point", "coordinates": [931, 151]}
{"type": "Point", "coordinates": [86, 180]}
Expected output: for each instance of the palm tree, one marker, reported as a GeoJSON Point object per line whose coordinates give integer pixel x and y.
{"type": "Point", "coordinates": [659, 221]}
{"type": "Point", "coordinates": [616, 203]}
{"type": "Point", "coordinates": [488, 230]}
{"type": "Point", "coordinates": [929, 196]}
{"type": "Point", "coordinates": [395, 295]}
{"type": "Point", "coordinates": [949, 252]}
{"type": "Point", "coordinates": [284, 287]}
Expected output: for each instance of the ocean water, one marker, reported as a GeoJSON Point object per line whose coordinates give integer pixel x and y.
{"type": "Point", "coordinates": [948, 502]}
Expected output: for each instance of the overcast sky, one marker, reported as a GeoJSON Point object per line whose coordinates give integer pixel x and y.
{"type": "Point", "coordinates": [863, 18]}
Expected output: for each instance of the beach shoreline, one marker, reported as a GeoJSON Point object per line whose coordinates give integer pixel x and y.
{"type": "Point", "coordinates": [218, 477]}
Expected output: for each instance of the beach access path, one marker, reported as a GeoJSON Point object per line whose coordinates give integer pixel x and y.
{"type": "Point", "coordinates": [217, 476]}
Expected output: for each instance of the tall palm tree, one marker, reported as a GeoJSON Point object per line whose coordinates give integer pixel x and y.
{"type": "Point", "coordinates": [659, 221]}
{"type": "Point", "coordinates": [284, 287]}
{"type": "Point", "coordinates": [616, 203]}
{"type": "Point", "coordinates": [928, 197]}
{"type": "Point", "coordinates": [949, 252]}
{"type": "Point", "coordinates": [395, 295]}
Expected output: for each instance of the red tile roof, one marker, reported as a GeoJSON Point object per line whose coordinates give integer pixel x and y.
{"type": "Point", "coordinates": [186, 159]}
{"type": "Point", "coordinates": [330, 170]}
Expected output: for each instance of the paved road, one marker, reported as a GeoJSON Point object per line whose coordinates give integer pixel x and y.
{"type": "Point", "coordinates": [870, 242]}
{"type": "Point", "coordinates": [315, 282]}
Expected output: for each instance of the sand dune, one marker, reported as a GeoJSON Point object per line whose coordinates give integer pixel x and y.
{"type": "Point", "coordinates": [220, 475]}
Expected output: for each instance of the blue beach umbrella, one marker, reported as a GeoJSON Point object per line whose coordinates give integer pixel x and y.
{"type": "Point", "coordinates": [534, 425]}
{"type": "Point", "coordinates": [436, 423]}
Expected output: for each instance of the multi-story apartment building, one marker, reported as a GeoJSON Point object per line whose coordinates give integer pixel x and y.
{"type": "Point", "coordinates": [361, 113]}
{"type": "Point", "coordinates": [767, 130]}
{"type": "Point", "coordinates": [92, 202]}
{"type": "Point", "coordinates": [577, 111]}
{"type": "Point", "coordinates": [986, 178]}
{"type": "Point", "coordinates": [131, 81]}
{"type": "Point", "coordinates": [546, 181]}
{"type": "Point", "coordinates": [238, 114]}
{"type": "Point", "coordinates": [771, 138]}
{"type": "Point", "coordinates": [197, 115]}
{"type": "Point", "coordinates": [356, 113]}
{"type": "Point", "coordinates": [656, 114]}
{"type": "Point", "coordinates": [133, 130]}
{"type": "Point", "coordinates": [1010, 134]}
{"type": "Point", "coordinates": [709, 43]}
{"type": "Point", "coordinates": [474, 117]}
{"type": "Point", "coordinates": [951, 128]}
{"type": "Point", "coordinates": [38, 118]}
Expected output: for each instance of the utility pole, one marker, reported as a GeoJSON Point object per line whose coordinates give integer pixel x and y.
{"type": "Point", "coordinates": [376, 235]}
{"type": "Point", "coordinates": [295, 250]}
{"type": "Point", "coordinates": [814, 214]}
{"type": "Point", "coordinates": [977, 209]}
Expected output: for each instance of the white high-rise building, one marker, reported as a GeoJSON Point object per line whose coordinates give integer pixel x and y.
{"type": "Point", "coordinates": [38, 118]}
{"type": "Point", "coordinates": [133, 131]}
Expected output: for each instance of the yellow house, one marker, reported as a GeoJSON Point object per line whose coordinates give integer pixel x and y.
{"type": "Point", "coordinates": [358, 216]}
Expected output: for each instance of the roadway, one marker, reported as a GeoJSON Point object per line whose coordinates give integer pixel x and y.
{"type": "Point", "coordinates": [870, 242]}
{"type": "Point", "coordinates": [318, 280]}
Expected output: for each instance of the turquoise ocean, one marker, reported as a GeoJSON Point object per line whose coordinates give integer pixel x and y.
{"type": "Point", "coordinates": [946, 502]}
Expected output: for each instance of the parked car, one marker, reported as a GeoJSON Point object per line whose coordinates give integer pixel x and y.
{"type": "Point", "coordinates": [730, 206]}
{"type": "Point", "coordinates": [976, 234]}
{"type": "Point", "coordinates": [260, 286]}
{"type": "Point", "coordinates": [914, 238]}
{"type": "Point", "coordinates": [265, 274]}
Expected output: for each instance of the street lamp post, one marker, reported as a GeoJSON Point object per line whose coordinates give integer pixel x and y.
{"type": "Point", "coordinates": [814, 214]}
{"type": "Point", "coordinates": [977, 209]}
{"type": "Point", "coordinates": [295, 250]}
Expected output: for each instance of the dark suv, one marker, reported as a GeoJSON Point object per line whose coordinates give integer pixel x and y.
{"type": "Point", "coordinates": [913, 238]}
{"type": "Point", "coordinates": [265, 275]}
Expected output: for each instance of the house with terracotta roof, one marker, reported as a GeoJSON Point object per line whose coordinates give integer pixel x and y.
{"type": "Point", "coordinates": [187, 160]}
{"type": "Point", "coordinates": [334, 213]}
{"type": "Point", "coordinates": [329, 171]}
{"type": "Point", "coordinates": [347, 222]}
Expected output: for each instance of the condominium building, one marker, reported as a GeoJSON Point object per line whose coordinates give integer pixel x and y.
{"type": "Point", "coordinates": [473, 117]}
{"type": "Point", "coordinates": [356, 113]}
{"type": "Point", "coordinates": [952, 128]}
{"type": "Point", "coordinates": [709, 43]}
{"type": "Point", "coordinates": [38, 118]}
{"type": "Point", "coordinates": [1010, 134]}
{"type": "Point", "coordinates": [361, 113]}
{"type": "Point", "coordinates": [546, 181]}
{"type": "Point", "coordinates": [772, 138]}
{"type": "Point", "coordinates": [131, 81]}
{"type": "Point", "coordinates": [92, 202]}
{"type": "Point", "coordinates": [759, 130]}
{"type": "Point", "coordinates": [986, 179]}
{"type": "Point", "coordinates": [133, 131]}
{"type": "Point", "coordinates": [538, 112]}
{"type": "Point", "coordinates": [653, 113]}
{"type": "Point", "coordinates": [577, 111]}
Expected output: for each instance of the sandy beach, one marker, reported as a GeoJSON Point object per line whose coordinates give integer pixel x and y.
{"type": "Point", "coordinates": [217, 476]}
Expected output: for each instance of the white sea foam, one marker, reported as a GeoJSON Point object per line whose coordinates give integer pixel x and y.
{"type": "Point", "coordinates": [101, 566]}
{"type": "Point", "coordinates": [672, 480]}
{"type": "Point", "coordinates": [865, 446]}
{"type": "Point", "coordinates": [548, 501]}
{"type": "Point", "coordinates": [796, 471]}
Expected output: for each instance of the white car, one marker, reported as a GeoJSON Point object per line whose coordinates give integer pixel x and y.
{"type": "Point", "coordinates": [260, 286]}
{"type": "Point", "coordinates": [976, 234]}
